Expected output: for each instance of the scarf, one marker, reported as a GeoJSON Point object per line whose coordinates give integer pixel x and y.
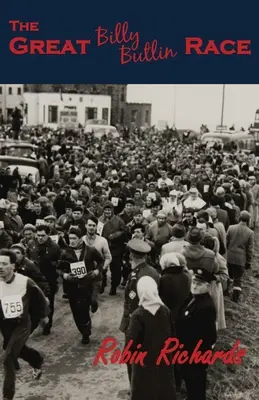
{"type": "Point", "coordinates": [197, 203]}
{"type": "Point", "coordinates": [148, 294]}
{"type": "Point", "coordinates": [79, 246]}
{"type": "Point", "coordinates": [78, 249]}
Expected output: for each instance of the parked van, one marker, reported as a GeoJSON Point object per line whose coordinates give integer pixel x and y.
{"type": "Point", "coordinates": [101, 130]}
{"type": "Point", "coordinates": [211, 138]}
{"type": "Point", "coordinates": [25, 166]}
{"type": "Point", "coordinates": [18, 149]}
{"type": "Point", "coordinates": [247, 141]}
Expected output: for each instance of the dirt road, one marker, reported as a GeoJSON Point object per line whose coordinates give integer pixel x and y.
{"type": "Point", "coordinates": [69, 373]}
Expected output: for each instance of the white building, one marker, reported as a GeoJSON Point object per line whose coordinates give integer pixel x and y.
{"type": "Point", "coordinates": [56, 109]}
{"type": "Point", "coordinates": [11, 96]}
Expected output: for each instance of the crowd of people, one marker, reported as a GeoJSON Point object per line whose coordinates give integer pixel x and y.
{"type": "Point", "coordinates": [173, 222]}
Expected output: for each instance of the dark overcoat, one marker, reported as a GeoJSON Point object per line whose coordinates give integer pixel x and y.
{"type": "Point", "coordinates": [151, 381]}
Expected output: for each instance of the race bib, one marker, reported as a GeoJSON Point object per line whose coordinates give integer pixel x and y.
{"type": "Point", "coordinates": [54, 238]}
{"type": "Point", "coordinates": [115, 201]}
{"type": "Point", "coordinates": [152, 196]}
{"type": "Point", "coordinates": [78, 269]}
{"type": "Point", "coordinates": [40, 222]}
{"type": "Point", "coordinates": [12, 306]}
{"type": "Point", "coordinates": [100, 226]}
{"type": "Point", "coordinates": [185, 187]}
{"type": "Point", "coordinates": [146, 213]}
{"type": "Point", "coordinates": [206, 188]}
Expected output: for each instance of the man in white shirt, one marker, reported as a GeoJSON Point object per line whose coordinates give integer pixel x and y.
{"type": "Point", "coordinates": [93, 238]}
{"type": "Point", "coordinates": [164, 179]}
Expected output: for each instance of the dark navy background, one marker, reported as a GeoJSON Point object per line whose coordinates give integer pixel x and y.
{"type": "Point", "coordinates": [167, 21]}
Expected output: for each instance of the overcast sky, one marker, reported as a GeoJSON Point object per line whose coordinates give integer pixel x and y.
{"type": "Point", "coordinates": [197, 104]}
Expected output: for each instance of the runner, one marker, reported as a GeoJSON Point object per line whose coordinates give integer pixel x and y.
{"type": "Point", "coordinates": [81, 266]}
{"type": "Point", "coordinates": [21, 300]}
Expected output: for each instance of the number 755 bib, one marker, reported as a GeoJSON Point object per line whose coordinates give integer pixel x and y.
{"type": "Point", "coordinates": [78, 269]}
{"type": "Point", "coordinates": [12, 306]}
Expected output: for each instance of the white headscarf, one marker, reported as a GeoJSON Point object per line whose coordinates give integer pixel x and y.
{"type": "Point", "coordinates": [148, 294]}
{"type": "Point", "coordinates": [169, 260]}
{"type": "Point", "coordinates": [173, 260]}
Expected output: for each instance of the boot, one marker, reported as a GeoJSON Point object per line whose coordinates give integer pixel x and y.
{"type": "Point", "coordinates": [101, 291]}
{"type": "Point", "coordinates": [123, 283]}
{"type": "Point", "coordinates": [227, 291]}
{"type": "Point", "coordinates": [94, 307]}
{"type": "Point", "coordinates": [236, 295]}
{"type": "Point", "coordinates": [113, 291]}
{"type": "Point", "coordinates": [85, 339]}
{"type": "Point", "coordinates": [17, 365]}
{"type": "Point", "coordinates": [46, 330]}
{"type": "Point", "coordinates": [37, 372]}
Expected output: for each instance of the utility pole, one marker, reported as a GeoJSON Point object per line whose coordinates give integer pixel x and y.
{"type": "Point", "coordinates": [4, 103]}
{"type": "Point", "coordinates": [174, 117]}
{"type": "Point", "coordinates": [223, 105]}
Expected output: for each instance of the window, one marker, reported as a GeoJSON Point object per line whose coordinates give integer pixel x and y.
{"type": "Point", "coordinates": [257, 116]}
{"type": "Point", "coordinates": [147, 117]}
{"type": "Point", "coordinates": [90, 113]}
{"type": "Point", "coordinates": [134, 114]}
{"type": "Point", "coordinates": [122, 116]}
{"type": "Point", "coordinates": [1, 90]}
{"type": "Point", "coordinates": [53, 114]}
{"type": "Point", "coordinates": [81, 99]}
{"type": "Point", "coordinates": [105, 114]}
{"type": "Point", "coordinates": [122, 95]}
{"type": "Point", "coordinates": [109, 90]}
{"type": "Point", "coordinates": [10, 90]}
{"type": "Point", "coordinates": [19, 91]}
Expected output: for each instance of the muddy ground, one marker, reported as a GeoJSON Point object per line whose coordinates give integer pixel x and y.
{"type": "Point", "coordinates": [69, 373]}
{"type": "Point", "coordinates": [68, 369]}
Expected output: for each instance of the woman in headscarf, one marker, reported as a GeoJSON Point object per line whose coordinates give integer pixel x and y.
{"type": "Point", "coordinates": [193, 200]}
{"type": "Point", "coordinates": [13, 222]}
{"type": "Point", "coordinates": [151, 326]}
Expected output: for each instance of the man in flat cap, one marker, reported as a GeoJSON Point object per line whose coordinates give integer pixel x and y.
{"type": "Point", "coordinates": [128, 213]}
{"type": "Point", "coordinates": [51, 222]}
{"type": "Point", "coordinates": [158, 233]}
{"type": "Point", "coordinates": [240, 245]}
{"type": "Point", "coordinates": [138, 252]}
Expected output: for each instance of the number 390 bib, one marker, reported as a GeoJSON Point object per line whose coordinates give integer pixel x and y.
{"type": "Point", "coordinates": [78, 269]}
{"type": "Point", "coordinates": [12, 306]}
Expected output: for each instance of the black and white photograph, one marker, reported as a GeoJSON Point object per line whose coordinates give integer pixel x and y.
{"type": "Point", "coordinates": [129, 242]}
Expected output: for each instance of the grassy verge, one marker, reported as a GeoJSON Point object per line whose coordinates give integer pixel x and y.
{"type": "Point", "coordinates": [239, 382]}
